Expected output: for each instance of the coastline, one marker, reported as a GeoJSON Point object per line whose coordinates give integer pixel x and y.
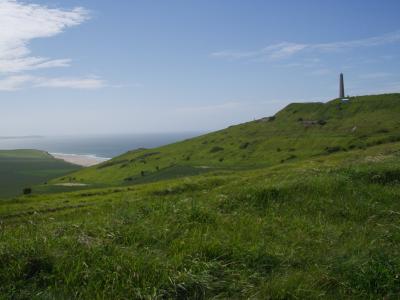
{"type": "Point", "coordinates": [79, 159]}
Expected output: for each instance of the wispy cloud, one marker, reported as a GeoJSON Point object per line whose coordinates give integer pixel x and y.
{"type": "Point", "coordinates": [13, 83]}
{"type": "Point", "coordinates": [288, 49]}
{"type": "Point", "coordinates": [21, 22]}
{"type": "Point", "coordinates": [17, 82]}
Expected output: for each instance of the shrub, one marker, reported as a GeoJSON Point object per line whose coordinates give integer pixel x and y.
{"type": "Point", "coordinates": [383, 130]}
{"type": "Point", "coordinates": [394, 139]}
{"type": "Point", "coordinates": [27, 191]}
{"type": "Point", "coordinates": [37, 267]}
{"type": "Point", "coordinates": [244, 145]}
{"type": "Point", "coordinates": [333, 149]}
{"type": "Point", "coordinates": [385, 177]}
{"type": "Point", "coordinates": [216, 149]}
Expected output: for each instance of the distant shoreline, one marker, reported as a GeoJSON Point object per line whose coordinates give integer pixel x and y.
{"type": "Point", "coordinates": [80, 159]}
{"type": "Point", "coordinates": [21, 137]}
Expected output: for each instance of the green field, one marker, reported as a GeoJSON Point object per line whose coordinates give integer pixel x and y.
{"type": "Point", "coordinates": [20, 169]}
{"type": "Point", "coordinates": [303, 205]}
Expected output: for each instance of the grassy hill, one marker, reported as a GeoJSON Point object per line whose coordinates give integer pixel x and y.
{"type": "Point", "coordinates": [24, 168]}
{"type": "Point", "coordinates": [323, 224]}
{"type": "Point", "coordinates": [299, 131]}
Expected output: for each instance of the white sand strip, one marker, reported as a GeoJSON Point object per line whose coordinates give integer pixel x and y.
{"type": "Point", "coordinates": [80, 160]}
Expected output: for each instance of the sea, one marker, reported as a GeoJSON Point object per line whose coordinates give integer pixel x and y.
{"type": "Point", "coordinates": [95, 146]}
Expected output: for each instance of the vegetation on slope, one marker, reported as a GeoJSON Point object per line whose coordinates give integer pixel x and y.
{"type": "Point", "coordinates": [320, 228]}
{"type": "Point", "coordinates": [20, 169]}
{"type": "Point", "coordinates": [299, 131]}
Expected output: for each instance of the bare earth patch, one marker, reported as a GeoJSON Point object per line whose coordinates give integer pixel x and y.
{"type": "Point", "coordinates": [71, 184]}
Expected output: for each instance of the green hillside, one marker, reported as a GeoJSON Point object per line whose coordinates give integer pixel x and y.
{"type": "Point", "coordinates": [304, 205]}
{"type": "Point", "coordinates": [299, 131]}
{"type": "Point", "coordinates": [24, 168]}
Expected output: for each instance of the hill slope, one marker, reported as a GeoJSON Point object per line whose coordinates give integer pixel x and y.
{"type": "Point", "coordinates": [24, 168]}
{"type": "Point", "coordinates": [301, 130]}
{"type": "Point", "coordinates": [323, 224]}
{"type": "Point", "coordinates": [325, 227]}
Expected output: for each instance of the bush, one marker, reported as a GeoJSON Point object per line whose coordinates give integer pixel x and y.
{"type": "Point", "coordinates": [333, 149]}
{"type": "Point", "coordinates": [383, 130]}
{"type": "Point", "coordinates": [384, 177]}
{"type": "Point", "coordinates": [244, 145]}
{"type": "Point", "coordinates": [27, 191]}
{"type": "Point", "coordinates": [216, 149]}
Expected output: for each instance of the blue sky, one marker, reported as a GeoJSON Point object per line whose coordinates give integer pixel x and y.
{"type": "Point", "coordinates": [73, 67]}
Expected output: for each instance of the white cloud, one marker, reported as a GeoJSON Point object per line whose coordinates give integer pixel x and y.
{"type": "Point", "coordinates": [17, 82]}
{"type": "Point", "coordinates": [287, 49]}
{"type": "Point", "coordinates": [87, 83]}
{"type": "Point", "coordinates": [13, 83]}
{"type": "Point", "coordinates": [21, 22]}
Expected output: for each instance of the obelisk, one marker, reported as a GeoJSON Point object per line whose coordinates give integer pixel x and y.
{"type": "Point", "coordinates": [341, 89]}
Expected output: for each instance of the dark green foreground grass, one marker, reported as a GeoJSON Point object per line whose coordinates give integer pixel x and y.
{"type": "Point", "coordinates": [324, 228]}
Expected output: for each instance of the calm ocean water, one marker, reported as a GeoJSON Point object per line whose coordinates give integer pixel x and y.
{"type": "Point", "coordinates": [106, 146]}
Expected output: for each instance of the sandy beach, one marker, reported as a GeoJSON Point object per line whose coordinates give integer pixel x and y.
{"type": "Point", "coordinates": [80, 160]}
